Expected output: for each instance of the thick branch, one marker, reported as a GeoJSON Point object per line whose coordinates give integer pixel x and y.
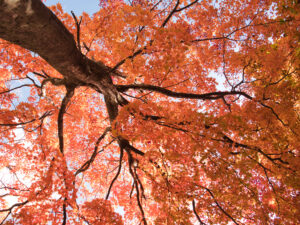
{"type": "Point", "coordinates": [125, 144]}
{"type": "Point", "coordinates": [60, 120]}
{"type": "Point", "coordinates": [206, 96]}
{"type": "Point", "coordinates": [64, 213]}
{"type": "Point", "coordinates": [31, 25]}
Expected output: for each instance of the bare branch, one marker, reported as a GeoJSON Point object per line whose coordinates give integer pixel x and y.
{"type": "Point", "coordinates": [87, 164]}
{"type": "Point", "coordinates": [15, 88]}
{"type": "Point", "coordinates": [44, 75]}
{"type": "Point", "coordinates": [77, 23]}
{"type": "Point", "coordinates": [64, 213]}
{"type": "Point", "coordinates": [196, 214]}
{"type": "Point", "coordinates": [136, 53]}
{"type": "Point", "coordinates": [47, 113]}
{"type": "Point", "coordinates": [254, 148]}
{"type": "Point", "coordinates": [9, 210]}
{"type": "Point", "coordinates": [131, 160]}
{"type": "Point", "coordinates": [139, 51]}
{"type": "Point", "coordinates": [170, 14]}
{"type": "Point", "coordinates": [187, 6]}
{"type": "Point", "coordinates": [206, 96]}
{"type": "Point", "coordinates": [155, 5]}
{"type": "Point", "coordinates": [60, 119]}
{"type": "Point", "coordinates": [227, 36]}
{"type": "Point", "coordinates": [13, 206]}
{"type": "Point", "coordinates": [219, 206]}
{"type": "Point", "coordinates": [117, 174]}
{"type": "Point", "coordinates": [273, 189]}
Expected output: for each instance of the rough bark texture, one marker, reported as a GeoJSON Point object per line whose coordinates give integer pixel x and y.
{"type": "Point", "coordinates": [31, 25]}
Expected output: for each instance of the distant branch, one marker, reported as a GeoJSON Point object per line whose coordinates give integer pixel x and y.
{"type": "Point", "coordinates": [136, 53]}
{"type": "Point", "coordinates": [9, 210]}
{"type": "Point", "coordinates": [87, 164]}
{"type": "Point", "coordinates": [139, 51]}
{"type": "Point", "coordinates": [175, 10]}
{"type": "Point", "coordinates": [47, 113]}
{"type": "Point", "coordinates": [227, 36]}
{"type": "Point", "coordinates": [254, 148]}
{"type": "Point", "coordinates": [219, 206]}
{"type": "Point", "coordinates": [274, 113]}
{"type": "Point", "coordinates": [273, 189]}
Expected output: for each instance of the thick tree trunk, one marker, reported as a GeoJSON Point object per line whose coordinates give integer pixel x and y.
{"type": "Point", "coordinates": [31, 25]}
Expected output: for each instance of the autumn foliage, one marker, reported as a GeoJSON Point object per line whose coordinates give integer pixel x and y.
{"type": "Point", "coordinates": [193, 118]}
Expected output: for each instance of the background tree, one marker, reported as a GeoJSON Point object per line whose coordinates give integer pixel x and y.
{"type": "Point", "coordinates": [166, 112]}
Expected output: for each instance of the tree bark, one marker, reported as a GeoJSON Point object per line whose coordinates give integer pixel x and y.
{"type": "Point", "coordinates": [31, 25]}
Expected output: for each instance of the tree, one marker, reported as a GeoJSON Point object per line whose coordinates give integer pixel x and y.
{"type": "Point", "coordinates": [150, 112]}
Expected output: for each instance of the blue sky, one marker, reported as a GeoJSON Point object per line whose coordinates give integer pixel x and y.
{"type": "Point", "coordinates": [78, 6]}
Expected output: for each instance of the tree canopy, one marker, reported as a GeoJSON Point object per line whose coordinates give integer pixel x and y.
{"type": "Point", "coordinates": [150, 112]}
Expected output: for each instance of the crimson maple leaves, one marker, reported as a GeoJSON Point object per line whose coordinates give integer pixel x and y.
{"type": "Point", "coordinates": [153, 112]}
